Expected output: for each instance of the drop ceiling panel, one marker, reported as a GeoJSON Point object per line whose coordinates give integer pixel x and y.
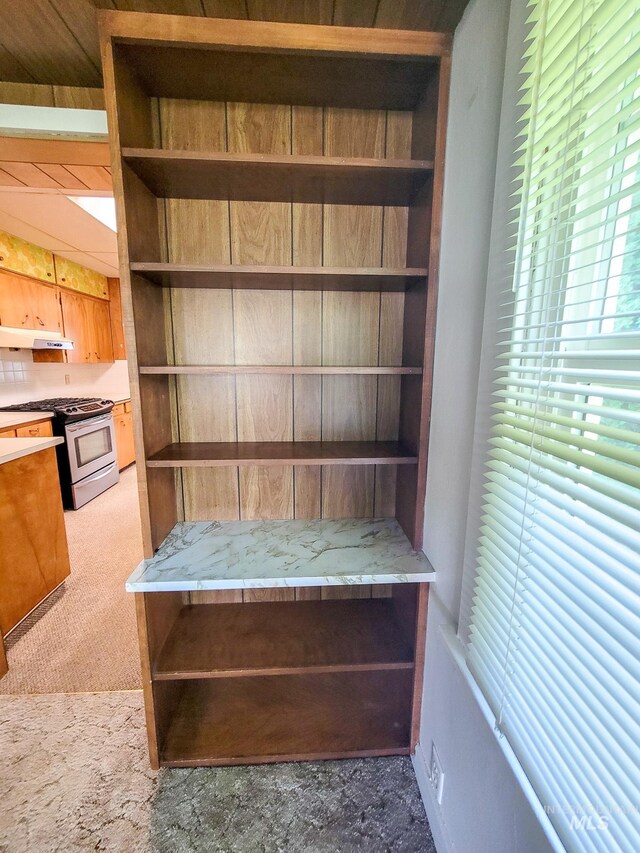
{"type": "Point", "coordinates": [94, 262]}
{"type": "Point", "coordinates": [61, 219]}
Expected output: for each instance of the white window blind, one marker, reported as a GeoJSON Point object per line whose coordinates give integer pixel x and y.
{"type": "Point", "coordinates": [554, 633]}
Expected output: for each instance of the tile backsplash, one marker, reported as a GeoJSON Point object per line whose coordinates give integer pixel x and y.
{"type": "Point", "coordinates": [21, 380]}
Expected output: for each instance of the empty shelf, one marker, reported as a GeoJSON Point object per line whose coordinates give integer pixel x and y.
{"type": "Point", "coordinates": [280, 277]}
{"type": "Point", "coordinates": [199, 555]}
{"type": "Point", "coordinates": [227, 453]}
{"type": "Point", "coordinates": [342, 370]}
{"type": "Point", "coordinates": [273, 177]}
{"type": "Point", "coordinates": [286, 637]}
{"type": "Point", "coordinates": [254, 720]}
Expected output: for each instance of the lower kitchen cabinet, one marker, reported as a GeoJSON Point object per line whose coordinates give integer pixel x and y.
{"type": "Point", "coordinates": [4, 666]}
{"type": "Point", "coordinates": [34, 558]}
{"type": "Point", "coordinates": [40, 430]}
{"type": "Point", "coordinates": [123, 424]}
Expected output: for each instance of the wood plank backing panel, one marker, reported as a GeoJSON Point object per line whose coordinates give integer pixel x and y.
{"type": "Point", "coordinates": [197, 230]}
{"type": "Point", "coordinates": [271, 718]}
{"type": "Point", "coordinates": [202, 320]}
{"type": "Point", "coordinates": [276, 640]}
{"type": "Point", "coordinates": [261, 233]}
{"type": "Point", "coordinates": [307, 248]}
{"type": "Point", "coordinates": [202, 323]}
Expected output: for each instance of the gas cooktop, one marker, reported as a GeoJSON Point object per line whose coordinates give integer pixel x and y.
{"type": "Point", "coordinates": [66, 409]}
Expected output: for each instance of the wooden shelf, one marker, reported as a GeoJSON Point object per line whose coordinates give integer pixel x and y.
{"type": "Point", "coordinates": [343, 552]}
{"type": "Point", "coordinates": [273, 177]}
{"type": "Point", "coordinates": [187, 454]}
{"type": "Point", "coordinates": [241, 277]}
{"type": "Point", "coordinates": [288, 369]}
{"type": "Point", "coordinates": [295, 717]}
{"type": "Point", "coordinates": [287, 637]}
{"type": "Point", "coordinates": [255, 61]}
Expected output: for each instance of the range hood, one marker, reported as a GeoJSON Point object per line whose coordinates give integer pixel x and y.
{"type": "Point", "coordinates": [33, 339]}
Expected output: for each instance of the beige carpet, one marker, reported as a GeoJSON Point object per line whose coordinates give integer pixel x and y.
{"type": "Point", "coordinates": [83, 637]}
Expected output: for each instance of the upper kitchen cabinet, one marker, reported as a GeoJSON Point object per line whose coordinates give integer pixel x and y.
{"type": "Point", "coordinates": [76, 277]}
{"type": "Point", "coordinates": [23, 257]}
{"type": "Point", "coordinates": [28, 304]}
{"type": "Point", "coordinates": [87, 323]}
{"type": "Point", "coordinates": [117, 323]}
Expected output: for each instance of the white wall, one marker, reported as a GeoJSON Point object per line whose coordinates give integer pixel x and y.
{"type": "Point", "coordinates": [483, 807]}
{"type": "Point", "coordinates": [21, 380]}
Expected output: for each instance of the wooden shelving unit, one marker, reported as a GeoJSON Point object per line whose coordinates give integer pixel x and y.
{"type": "Point", "coordinates": [278, 189]}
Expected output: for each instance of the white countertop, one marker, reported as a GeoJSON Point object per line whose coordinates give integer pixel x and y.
{"type": "Point", "coordinates": [14, 448]}
{"type": "Point", "coordinates": [259, 554]}
{"type": "Point", "coordinates": [9, 420]}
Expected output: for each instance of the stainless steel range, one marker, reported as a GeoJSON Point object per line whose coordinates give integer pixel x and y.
{"type": "Point", "coordinates": [87, 461]}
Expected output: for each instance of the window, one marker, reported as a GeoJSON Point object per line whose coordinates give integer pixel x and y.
{"type": "Point", "coordinates": [554, 633]}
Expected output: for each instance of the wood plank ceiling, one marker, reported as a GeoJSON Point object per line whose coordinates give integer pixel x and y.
{"type": "Point", "coordinates": [56, 41]}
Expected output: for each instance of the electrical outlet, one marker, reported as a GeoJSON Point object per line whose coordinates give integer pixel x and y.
{"type": "Point", "coordinates": [67, 379]}
{"type": "Point", "coordinates": [436, 773]}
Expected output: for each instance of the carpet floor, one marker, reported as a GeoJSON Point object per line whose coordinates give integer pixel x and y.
{"type": "Point", "coordinates": [74, 776]}
{"type": "Point", "coordinates": [83, 637]}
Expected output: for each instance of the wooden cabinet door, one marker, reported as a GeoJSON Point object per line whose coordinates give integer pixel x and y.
{"type": "Point", "coordinates": [28, 304]}
{"type": "Point", "coordinates": [88, 324]}
{"type": "Point", "coordinates": [34, 557]}
{"type": "Point", "coordinates": [117, 324]}
{"type": "Point", "coordinates": [100, 333]}
{"type": "Point", "coordinates": [124, 440]}
{"type": "Point", "coordinates": [41, 430]}
{"type": "Point", "coordinates": [7, 433]}
{"type": "Point", "coordinates": [77, 318]}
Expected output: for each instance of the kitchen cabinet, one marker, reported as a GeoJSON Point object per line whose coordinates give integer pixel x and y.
{"type": "Point", "coordinates": [7, 433]}
{"type": "Point", "coordinates": [34, 558]}
{"type": "Point", "coordinates": [4, 666]}
{"type": "Point", "coordinates": [117, 323]}
{"type": "Point", "coordinates": [28, 304]}
{"type": "Point", "coordinates": [39, 430]}
{"type": "Point", "coordinates": [123, 425]}
{"type": "Point", "coordinates": [23, 257]}
{"type": "Point", "coordinates": [86, 321]}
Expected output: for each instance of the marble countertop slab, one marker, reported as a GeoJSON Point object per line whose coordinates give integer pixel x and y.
{"type": "Point", "coordinates": [9, 420]}
{"type": "Point", "coordinates": [201, 555]}
{"type": "Point", "coordinates": [14, 448]}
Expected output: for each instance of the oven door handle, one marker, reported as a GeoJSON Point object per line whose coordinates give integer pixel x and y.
{"type": "Point", "coordinates": [93, 477]}
{"type": "Point", "coordinates": [88, 422]}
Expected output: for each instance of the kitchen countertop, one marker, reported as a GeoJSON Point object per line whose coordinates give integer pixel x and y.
{"type": "Point", "coordinates": [258, 554]}
{"type": "Point", "coordinates": [8, 420]}
{"type": "Point", "coordinates": [14, 448]}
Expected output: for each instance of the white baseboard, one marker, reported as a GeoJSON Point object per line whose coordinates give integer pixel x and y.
{"type": "Point", "coordinates": [431, 807]}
